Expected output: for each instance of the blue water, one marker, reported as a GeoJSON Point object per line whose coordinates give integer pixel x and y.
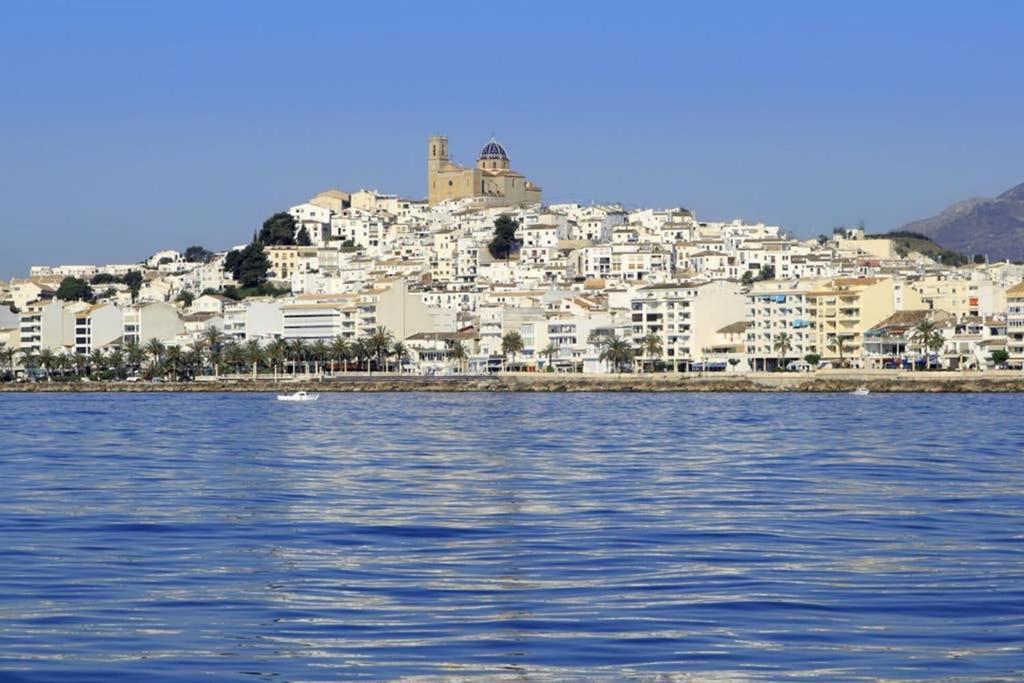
{"type": "Point", "coordinates": [528, 537]}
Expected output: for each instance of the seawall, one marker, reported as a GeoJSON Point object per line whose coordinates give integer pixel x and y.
{"type": "Point", "coordinates": [826, 381]}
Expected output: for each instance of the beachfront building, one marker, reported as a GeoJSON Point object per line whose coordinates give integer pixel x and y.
{"type": "Point", "coordinates": [46, 324]}
{"type": "Point", "coordinates": [844, 309]}
{"type": "Point", "coordinates": [1015, 324]}
{"type": "Point", "coordinates": [685, 317]}
{"type": "Point", "coordinates": [779, 325]}
{"type": "Point", "coordinates": [97, 327]}
{"type": "Point", "coordinates": [152, 320]}
{"type": "Point", "coordinates": [254, 318]}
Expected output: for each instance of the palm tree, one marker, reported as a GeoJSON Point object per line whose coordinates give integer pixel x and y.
{"type": "Point", "coordinates": [61, 363]}
{"type": "Point", "coordinates": [457, 352]}
{"type": "Point", "coordinates": [155, 348]}
{"type": "Point", "coordinates": [340, 351]}
{"type": "Point", "coordinates": [46, 358]}
{"type": "Point", "coordinates": [297, 351]}
{"type": "Point", "coordinates": [401, 354]}
{"type": "Point", "coordinates": [173, 362]}
{"type": "Point", "coordinates": [277, 352]}
{"type": "Point", "coordinates": [97, 361]}
{"type": "Point", "coordinates": [192, 362]}
{"type": "Point", "coordinates": [651, 345]}
{"type": "Point", "coordinates": [511, 344]}
{"type": "Point", "coordinates": [80, 361]}
{"type": "Point", "coordinates": [783, 344]}
{"type": "Point", "coordinates": [6, 360]}
{"type": "Point", "coordinates": [380, 344]}
{"type": "Point", "coordinates": [318, 351]}
{"type": "Point", "coordinates": [135, 355]}
{"type": "Point", "coordinates": [549, 352]}
{"type": "Point", "coordinates": [927, 335]}
{"type": "Point", "coordinates": [213, 339]}
{"type": "Point", "coordinates": [617, 351]}
{"type": "Point", "coordinates": [361, 351]}
{"type": "Point", "coordinates": [29, 359]}
{"type": "Point", "coordinates": [254, 355]}
{"type": "Point", "coordinates": [233, 356]}
{"type": "Point", "coordinates": [838, 343]}
{"type": "Point", "coordinates": [115, 360]}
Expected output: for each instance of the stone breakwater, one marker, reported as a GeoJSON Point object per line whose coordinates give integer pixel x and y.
{"type": "Point", "coordinates": [884, 382]}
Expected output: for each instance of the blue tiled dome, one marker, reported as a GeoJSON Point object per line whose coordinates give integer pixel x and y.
{"type": "Point", "coordinates": [493, 150]}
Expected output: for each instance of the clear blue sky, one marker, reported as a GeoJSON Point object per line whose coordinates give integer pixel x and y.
{"type": "Point", "coordinates": [134, 126]}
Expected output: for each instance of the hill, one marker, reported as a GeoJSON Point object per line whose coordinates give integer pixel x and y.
{"type": "Point", "coordinates": [907, 242]}
{"type": "Point", "coordinates": [993, 227]}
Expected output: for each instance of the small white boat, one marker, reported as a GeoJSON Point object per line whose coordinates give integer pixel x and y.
{"type": "Point", "coordinates": [861, 391]}
{"type": "Point", "coordinates": [298, 396]}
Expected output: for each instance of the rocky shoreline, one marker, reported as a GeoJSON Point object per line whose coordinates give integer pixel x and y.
{"type": "Point", "coordinates": [885, 382]}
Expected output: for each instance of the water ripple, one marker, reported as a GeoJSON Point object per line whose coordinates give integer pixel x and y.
{"type": "Point", "coordinates": [526, 537]}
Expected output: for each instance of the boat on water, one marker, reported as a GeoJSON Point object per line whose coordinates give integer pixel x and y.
{"type": "Point", "coordinates": [861, 391]}
{"type": "Point", "coordinates": [298, 396]}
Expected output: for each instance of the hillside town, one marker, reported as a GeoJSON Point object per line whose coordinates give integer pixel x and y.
{"type": "Point", "coordinates": [483, 276]}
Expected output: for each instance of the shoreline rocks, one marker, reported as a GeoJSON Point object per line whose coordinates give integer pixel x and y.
{"type": "Point", "coordinates": [944, 382]}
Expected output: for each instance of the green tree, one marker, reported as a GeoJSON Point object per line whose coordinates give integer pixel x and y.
{"type": "Point", "coordinates": [747, 279]}
{"type": "Point", "coordinates": [234, 356]}
{"type": "Point", "coordinates": [29, 359]}
{"type": "Point", "coordinates": [97, 363]}
{"type": "Point", "coordinates": [379, 344]}
{"type": "Point", "coordinates": [213, 339]}
{"type": "Point", "coordinates": [135, 355]}
{"type": "Point", "coordinates": [254, 356]}
{"type": "Point", "coordinates": [298, 352]}
{"type": "Point", "coordinates": [361, 351]}
{"type": "Point", "coordinates": [927, 336]}
{"type": "Point", "coordinates": [134, 279]}
{"type": "Point", "coordinates": [511, 344]}
{"type": "Point", "coordinates": [999, 357]}
{"type": "Point", "coordinates": [457, 352]}
{"type": "Point", "coordinates": [104, 279]}
{"type": "Point", "coordinates": [279, 229]}
{"type": "Point", "coordinates": [504, 243]}
{"type": "Point", "coordinates": [174, 362]}
{"type": "Point", "coordinates": [812, 359]}
{"type": "Point", "coordinates": [7, 361]}
{"type": "Point", "coordinates": [249, 265]}
{"type": "Point", "coordinates": [185, 297]}
{"type": "Point", "coordinates": [783, 343]}
{"type": "Point", "coordinates": [838, 344]}
{"type": "Point", "coordinates": [116, 363]}
{"type": "Point", "coordinates": [319, 351]}
{"type": "Point", "coordinates": [302, 237]}
{"type": "Point", "coordinates": [401, 354]}
{"type": "Point", "coordinates": [197, 254]}
{"type": "Point", "coordinates": [652, 348]}
{"type": "Point", "coordinates": [155, 349]}
{"type": "Point", "coordinates": [767, 273]}
{"type": "Point", "coordinates": [616, 351]}
{"type": "Point", "coordinates": [74, 289]}
{"type": "Point", "coordinates": [277, 354]}
{"type": "Point", "coordinates": [549, 352]}
{"type": "Point", "coordinates": [46, 358]}
{"type": "Point", "coordinates": [341, 352]}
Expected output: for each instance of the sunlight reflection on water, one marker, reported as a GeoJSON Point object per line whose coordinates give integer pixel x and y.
{"type": "Point", "coordinates": [823, 537]}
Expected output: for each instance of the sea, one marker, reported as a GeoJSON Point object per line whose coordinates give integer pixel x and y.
{"type": "Point", "coordinates": [494, 536]}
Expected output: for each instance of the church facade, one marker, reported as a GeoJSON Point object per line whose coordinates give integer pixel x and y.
{"type": "Point", "coordinates": [492, 180]}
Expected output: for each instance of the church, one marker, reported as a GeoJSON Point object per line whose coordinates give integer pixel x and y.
{"type": "Point", "coordinates": [492, 180]}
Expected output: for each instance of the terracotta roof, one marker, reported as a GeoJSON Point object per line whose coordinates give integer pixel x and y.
{"type": "Point", "coordinates": [735, 328]}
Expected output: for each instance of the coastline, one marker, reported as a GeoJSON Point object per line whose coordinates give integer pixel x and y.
{"type": "Point", "coordinates": [821, 382]}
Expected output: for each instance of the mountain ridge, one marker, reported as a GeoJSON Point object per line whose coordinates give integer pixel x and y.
{"type": "Point", "coordinates": [993, 226]}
